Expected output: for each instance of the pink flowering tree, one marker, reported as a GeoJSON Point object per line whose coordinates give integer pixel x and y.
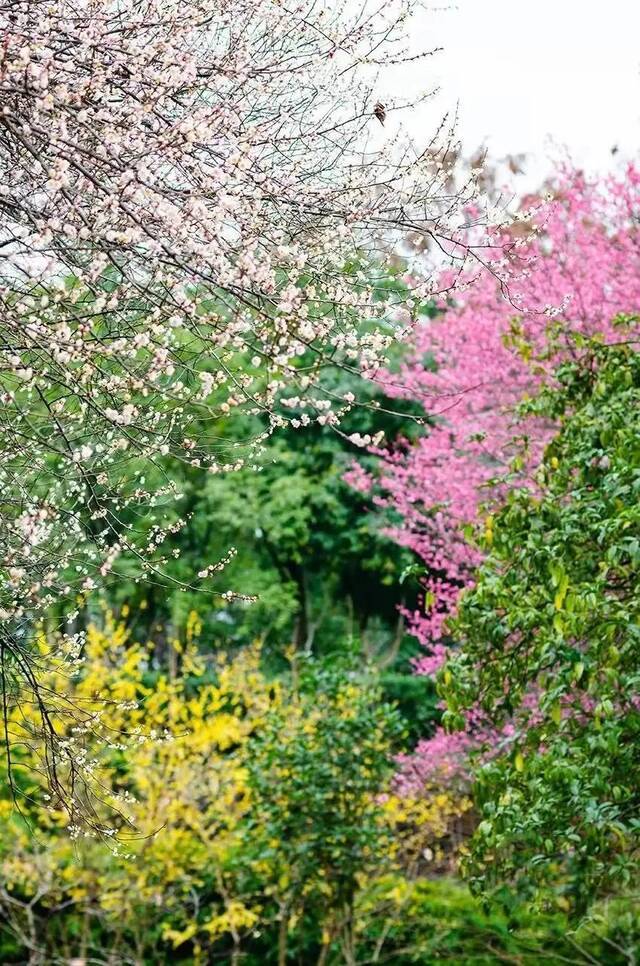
{"type": "Point", "coordinates": [471, 365]}
{"type": "Point", "coordinates": [182, 185]}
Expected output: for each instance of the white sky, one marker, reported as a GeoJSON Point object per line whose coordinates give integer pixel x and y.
{"type": "Point", "coordinates": [529, 74]}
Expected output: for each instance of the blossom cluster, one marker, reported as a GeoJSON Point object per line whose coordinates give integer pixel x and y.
{"type": "Point", "coordinates": [494, 345]}
{"type": "Point", "coordinates": [195, 221]}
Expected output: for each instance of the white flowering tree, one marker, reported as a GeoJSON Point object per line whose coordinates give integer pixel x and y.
{"type": "Point", "coordinates": [182, 183]}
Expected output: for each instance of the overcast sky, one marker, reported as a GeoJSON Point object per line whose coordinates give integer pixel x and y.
{"type": "Point", "coordinates": [528, 73]}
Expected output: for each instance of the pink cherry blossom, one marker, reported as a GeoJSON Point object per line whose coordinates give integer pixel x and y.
{"type": "Point", "coordinates": [577, 267]}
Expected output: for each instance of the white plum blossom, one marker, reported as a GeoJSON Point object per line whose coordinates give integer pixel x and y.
{"type": "Point", "coordinates": [183, 187]}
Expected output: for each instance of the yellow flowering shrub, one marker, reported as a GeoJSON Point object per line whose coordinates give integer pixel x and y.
{"type": "Point", "coordinates": [429, 828]}
{"type": "Point", "coordinates": [219, 806]}
{"type": "Point", "coordinates": [165, 762]}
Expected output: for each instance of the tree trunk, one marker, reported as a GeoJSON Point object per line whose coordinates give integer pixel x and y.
{"type": "Point", "coordinates": [301, 633]}
{"type": "Point", "coordinates": [283, 930]}
{"type": "Point", "coordinates": [349, 936]}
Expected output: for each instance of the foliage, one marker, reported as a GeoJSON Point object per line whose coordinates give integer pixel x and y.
{"type": "Point", "coordinates": [428, 921]}
{"type": "Point", "coordinates": [316, 768]}
{"type": "Point", "coordinates": [549, 644]}
{"type": "Point", "coordinates": [306, 545]}
{"type": "Point", "coordinates": [238, 812]}
{"type": "Point", "coordinates": [431, 921]}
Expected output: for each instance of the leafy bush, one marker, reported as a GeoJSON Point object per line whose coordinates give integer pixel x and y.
{"type": "Point", "coordinates": [550, 637]}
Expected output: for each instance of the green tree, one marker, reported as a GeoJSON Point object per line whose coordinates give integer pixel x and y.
{"type": "Point", "coordinates": [316, 824]}
{"type": "Point", "coordinates": [550, 645]}
{"type": "Point", "coordinates": [310, 548]}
